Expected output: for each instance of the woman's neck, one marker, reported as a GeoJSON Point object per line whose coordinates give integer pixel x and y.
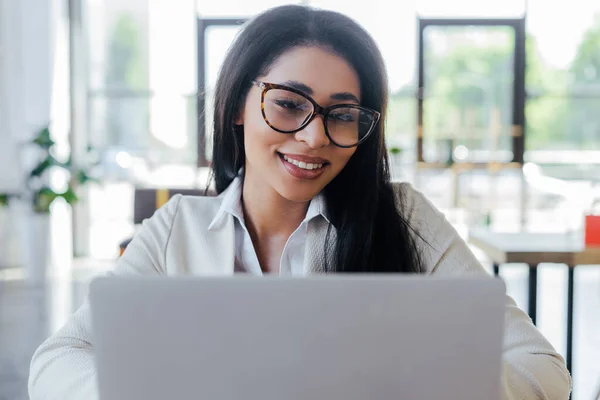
{"type": "Point", "coordinates": [270, 220]}
{"type": "Point", "coordinates": [267, 214]}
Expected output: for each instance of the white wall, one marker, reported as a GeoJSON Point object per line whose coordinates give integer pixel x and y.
{"type": "Point", "coordinates": [26, 70]}
{"type": "Point", "coordinates": [9, 73]}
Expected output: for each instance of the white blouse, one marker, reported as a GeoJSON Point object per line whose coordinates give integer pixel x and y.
{"type": "Point", "coordinates": [246, 260]}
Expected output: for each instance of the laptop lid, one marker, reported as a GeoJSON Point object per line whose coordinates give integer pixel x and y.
{"type": "Point", "coordinates": [319, 337]}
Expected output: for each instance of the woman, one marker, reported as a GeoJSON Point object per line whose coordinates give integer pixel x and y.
{"type": "Point", "coordinates": [300, 164]}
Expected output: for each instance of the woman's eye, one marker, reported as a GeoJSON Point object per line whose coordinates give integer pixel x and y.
{"type": "Point", "coordinates": [342, 117]}
{"type": "Point", "coordinates": [288, 104]}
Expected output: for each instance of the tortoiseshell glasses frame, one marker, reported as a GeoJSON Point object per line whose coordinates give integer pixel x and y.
{"type": "Point", "coordinates": [325, 112]}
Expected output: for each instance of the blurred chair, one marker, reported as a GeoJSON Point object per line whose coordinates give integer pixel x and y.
{"type": "Point", "coordinates": [147, 201]}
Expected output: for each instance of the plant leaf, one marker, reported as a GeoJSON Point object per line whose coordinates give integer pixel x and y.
{"type": "Point", "coordinates": [43, 166]}
{"type": "Point", "coordinates": [82, 177]}
{"type": "Point", "coordinates": [70, 196]}
{"type": "Point", "coordinates": [42, 199]}
{"type": "Point", "coordinates": [44, 139]}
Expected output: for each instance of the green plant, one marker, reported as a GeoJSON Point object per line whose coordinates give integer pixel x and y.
{"type": "Point", "coordinates": [395, 154]}
{"type": "Point", "coordinates": [39, 193]}
{"type": "Point", "coordinates": [395, 150]}
{"type": "Point", "coordinates": [3, 199]}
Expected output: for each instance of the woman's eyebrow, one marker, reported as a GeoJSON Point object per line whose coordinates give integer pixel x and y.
{"type": "Point", "coordinates": [299, 86]}
{"type": "Point", "coordinates": [344, 96]}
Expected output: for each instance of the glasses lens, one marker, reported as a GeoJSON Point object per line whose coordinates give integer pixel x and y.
{"type": "Point", "coordinates": [347, 126]}
{"type": "Point", "coordinates": [285, 110]}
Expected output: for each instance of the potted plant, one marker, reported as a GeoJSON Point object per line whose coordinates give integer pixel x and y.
{"type": "Point", "coordinates": [40, 195]}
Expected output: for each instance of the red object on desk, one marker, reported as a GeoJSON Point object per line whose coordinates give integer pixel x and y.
{"type": "Point", "coordinates": [592, 230]}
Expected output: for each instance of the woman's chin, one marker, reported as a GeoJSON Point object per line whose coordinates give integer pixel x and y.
{"type": "Point", "coordinates": [299, 196]}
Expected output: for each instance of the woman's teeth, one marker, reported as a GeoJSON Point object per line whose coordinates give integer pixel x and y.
{"type": "Point", "coordinates": [302, 164]}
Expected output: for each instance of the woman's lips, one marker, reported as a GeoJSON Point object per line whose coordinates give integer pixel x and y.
{"type": "Point", "coordinates": [301, 170]}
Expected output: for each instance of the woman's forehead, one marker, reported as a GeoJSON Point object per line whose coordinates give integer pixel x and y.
{"type": "Point", "coordinates": [324, 72]}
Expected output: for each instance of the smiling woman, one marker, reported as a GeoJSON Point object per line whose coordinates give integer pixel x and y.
{"type": "Point", "coordinates": [314, 96]}
{"type": "Point", "coordinates": [300, 163]}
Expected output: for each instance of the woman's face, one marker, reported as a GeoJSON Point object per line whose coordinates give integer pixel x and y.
{"type": "Point", "coordinates": [283, 161]}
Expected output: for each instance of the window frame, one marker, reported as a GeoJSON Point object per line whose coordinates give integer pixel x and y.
{"type": "Point", "coordinates": [202, 25]}
{"type": "Point", "coordinates": [519, 70]}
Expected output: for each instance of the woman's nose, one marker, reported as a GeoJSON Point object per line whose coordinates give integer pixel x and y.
{"type": "Point", "coordinates": [313, 134]}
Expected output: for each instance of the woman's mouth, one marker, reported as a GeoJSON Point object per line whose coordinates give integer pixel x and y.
{"type": "Point", "coordinates": [302, 164]}
{"type": "Point", "coordinates": [303, 167]}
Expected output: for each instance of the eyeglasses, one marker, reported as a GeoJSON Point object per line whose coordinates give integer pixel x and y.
{"type": "Point", "coordinates": [288, 110]}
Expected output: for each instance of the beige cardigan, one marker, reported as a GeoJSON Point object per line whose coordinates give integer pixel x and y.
{"type": "Point", "coordinates": [177, 241]}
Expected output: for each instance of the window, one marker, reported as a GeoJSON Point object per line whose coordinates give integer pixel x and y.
{"type": "Point", "coordinates": [141, 107]}
{"type": "Point", "coordinates": [563, 81]}
{"type": "Point", "coordinates": [468, 93]}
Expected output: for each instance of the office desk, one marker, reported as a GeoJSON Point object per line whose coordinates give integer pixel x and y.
{"type": "Point", "coordinates": [534, 249]}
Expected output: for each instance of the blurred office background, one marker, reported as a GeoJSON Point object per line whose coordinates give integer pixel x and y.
{"type": "Point", "coordinates": [494, 114]}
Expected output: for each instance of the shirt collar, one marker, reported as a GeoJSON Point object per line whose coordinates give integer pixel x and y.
{"type": "Point", "coordinates": [232, 204]}
{"type": "Point", "coordinates": [317, 207]}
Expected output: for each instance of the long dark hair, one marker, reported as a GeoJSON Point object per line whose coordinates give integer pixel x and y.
{"type": "Point", "coordinates": [372, 233]}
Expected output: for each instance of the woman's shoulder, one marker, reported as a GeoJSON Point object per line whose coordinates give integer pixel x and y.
{"type": "Point", "coordinates": [198, 203]}
{"type": "Point", "coordinates": [183, 210]}
{"type": "Point", "coordinates": [178, 235]}
{"type": "Point", "coordinates": [195, 208]}
{"type": "Point", "coordinates": [409, 199]}
{"type": "Point", "coordinates": [417, 209]}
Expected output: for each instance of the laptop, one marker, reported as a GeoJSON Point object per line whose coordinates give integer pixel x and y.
{"type": "Point", "coordinates": [319, 337]}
